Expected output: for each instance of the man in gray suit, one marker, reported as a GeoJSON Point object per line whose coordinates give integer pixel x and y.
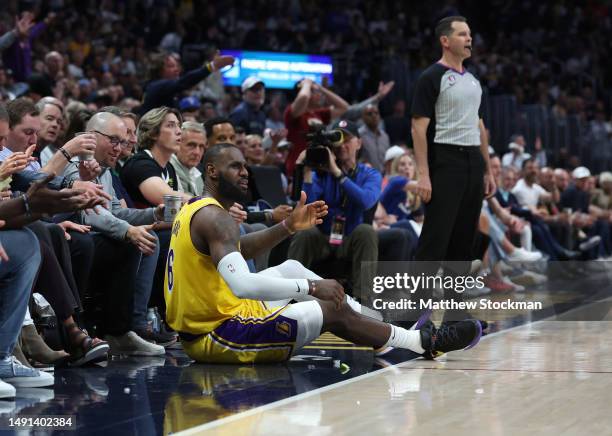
{"type": "Point", "coordinates": [123, 229]}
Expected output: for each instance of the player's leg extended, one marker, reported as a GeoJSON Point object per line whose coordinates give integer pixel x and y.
{"type": "Point", "coordinates": [316, 317]}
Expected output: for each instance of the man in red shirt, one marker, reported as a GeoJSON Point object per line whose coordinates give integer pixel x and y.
{"type": "Point", "coordinates": [305, 111]}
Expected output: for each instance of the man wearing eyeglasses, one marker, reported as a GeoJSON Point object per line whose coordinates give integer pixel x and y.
{"type": "Point", "coordinates": [117, 225]}
{"type": "Point", "coordinates": [375, 140]}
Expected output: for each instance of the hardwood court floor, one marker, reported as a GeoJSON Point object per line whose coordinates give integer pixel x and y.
{"type": "Point", "coordinates": [547, 377]}
{"type": "Point", "coordinates": [551, 377]}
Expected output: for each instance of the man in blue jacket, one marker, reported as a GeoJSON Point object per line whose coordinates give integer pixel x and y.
{"type": "Point", "coordinates": [349, 189]}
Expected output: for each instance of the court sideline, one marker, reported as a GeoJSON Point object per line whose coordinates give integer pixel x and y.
{"type": "Point", "coordinates": [539, 378]}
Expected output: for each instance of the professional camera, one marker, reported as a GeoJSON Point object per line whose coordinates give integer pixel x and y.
{"type": "Point", "coordinates": [319, 140]}
{"type": "Point", "coordinates": [317, 157]}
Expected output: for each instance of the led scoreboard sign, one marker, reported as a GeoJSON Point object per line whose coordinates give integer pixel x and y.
{"type": "Point", "coordinates": [277, 70]}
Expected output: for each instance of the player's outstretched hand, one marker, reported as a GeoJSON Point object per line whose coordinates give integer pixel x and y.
{"type": "Point", "coordinates": [305, 216]}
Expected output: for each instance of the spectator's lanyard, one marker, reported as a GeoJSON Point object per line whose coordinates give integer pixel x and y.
{"type": "Point", "coordinates": [339, 221]}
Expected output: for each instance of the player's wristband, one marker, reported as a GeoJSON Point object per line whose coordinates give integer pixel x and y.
{"type": "Point", "coordinates": [312, 287]}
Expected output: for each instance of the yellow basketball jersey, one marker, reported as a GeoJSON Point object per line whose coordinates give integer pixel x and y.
{"type": "Point", "coordinates": [197, 298]}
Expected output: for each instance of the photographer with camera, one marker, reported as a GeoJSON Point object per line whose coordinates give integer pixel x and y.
{"type": "Point", "coordinates": [307, 111]}
{"type": "Point", "coordinates": [349, 189]}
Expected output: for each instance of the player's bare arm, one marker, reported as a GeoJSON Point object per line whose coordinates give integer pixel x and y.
{"type": "Point", "coordinates": [214, 233]}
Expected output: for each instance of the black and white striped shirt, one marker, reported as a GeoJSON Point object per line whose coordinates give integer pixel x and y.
{"type": "Point", "coordinates": [452, 101]}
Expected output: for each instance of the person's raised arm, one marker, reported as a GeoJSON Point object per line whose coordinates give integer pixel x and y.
{"type": "Point", "coordinates": [62, 157]}
{"type": "Point", "coordinates": [300, 104]}
{"type": "Point", "coordinates": [354, 111]}
{"type": "Point", "coordinates": [339, 105]}
{"type": "Point", "coordinates": [193, 77]}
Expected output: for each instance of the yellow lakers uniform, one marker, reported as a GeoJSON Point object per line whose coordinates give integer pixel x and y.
{"type": "Point", "coordinates": [214, 325]}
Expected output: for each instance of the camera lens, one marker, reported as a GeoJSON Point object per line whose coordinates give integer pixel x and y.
{"type": "Point", "coordinates": [335, 137]}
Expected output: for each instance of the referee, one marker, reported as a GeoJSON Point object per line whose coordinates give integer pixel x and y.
{"type": "Point", "coordinates": [451, 151]}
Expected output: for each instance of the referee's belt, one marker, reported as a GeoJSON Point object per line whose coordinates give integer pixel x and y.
{"type": "Point", "coordinates": [463, 148]}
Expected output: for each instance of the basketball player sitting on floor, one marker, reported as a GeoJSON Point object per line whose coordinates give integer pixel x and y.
{"type": "Point", "coordinates": [226, 314]}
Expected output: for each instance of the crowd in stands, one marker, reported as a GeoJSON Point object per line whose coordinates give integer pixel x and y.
{"type": "Point", "coordinates": [99, 122]}
{"type": "Point", "coordinates": [103, 52]}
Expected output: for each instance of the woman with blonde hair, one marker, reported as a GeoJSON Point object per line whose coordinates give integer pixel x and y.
{"type": "Point", "coordinates": [398, 197]}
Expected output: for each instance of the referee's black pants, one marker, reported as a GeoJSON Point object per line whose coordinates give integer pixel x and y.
{"type": "Point", "coordinates": [451, 216]}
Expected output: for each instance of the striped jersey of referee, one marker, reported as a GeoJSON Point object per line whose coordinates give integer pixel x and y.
{"type": "Point", "coordinates": [452, 101]}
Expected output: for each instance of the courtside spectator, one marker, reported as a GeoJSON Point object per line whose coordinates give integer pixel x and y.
{"type": "Point", "coordinates": [374, 139]}
{"type": "Point", "coordinates": [398, 197]}
{"type": "Point", "coordinates": [254, 152]}
{"type": "Point", "coordinates": [124, 226]}
{"type": "Point", "coordinates": [577, 198]}
{"type": "Point", "coordinates": [602, 197]}
{"type": "Point", "coordinates": [528, 192]}
{"type": "Point", "coordinates": [220, 129]}
{"type": "Point", "coordinates": [149, 175]}
{"type": "Point", "coordinates": [240, 138]}
{"type": "Point", "coordinates": [190, 153]}
{"type": "Point", "coordinates": [349, 189]}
